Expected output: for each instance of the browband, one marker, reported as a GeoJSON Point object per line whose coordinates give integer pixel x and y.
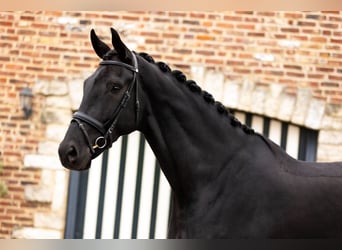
{"type": "Point", "coordinates": [133, 68]}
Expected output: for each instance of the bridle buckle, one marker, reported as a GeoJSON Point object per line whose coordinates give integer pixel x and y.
{"type": "Point", "coordinates": [100, 142]}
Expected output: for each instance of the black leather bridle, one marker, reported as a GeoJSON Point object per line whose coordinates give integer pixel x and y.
{"type": "Point", "coordinates": [106, 140]}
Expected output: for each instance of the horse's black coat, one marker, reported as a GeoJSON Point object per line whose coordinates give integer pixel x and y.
{"type": "Point", "coordinates": [227, 180]}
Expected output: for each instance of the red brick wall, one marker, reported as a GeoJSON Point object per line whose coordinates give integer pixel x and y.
{"type": "Point", "coordinates": [306, 48]}
{"type": "Point", "coordinates": [229, 41]}
{"type": "Point", "coordinates": [17, 136]}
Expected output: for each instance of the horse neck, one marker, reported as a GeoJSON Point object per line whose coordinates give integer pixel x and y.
{"type": "Point", "coordinates": [189, 137]}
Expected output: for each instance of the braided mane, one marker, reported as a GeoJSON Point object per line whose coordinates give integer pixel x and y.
{"type": "Point", "coordinates": [192, 86]}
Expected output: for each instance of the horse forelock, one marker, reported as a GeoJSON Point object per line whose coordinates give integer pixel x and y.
{"type": "Point", "coordinates": [110, 55]}
{"type": "Point", "coordinates": [193, 87]}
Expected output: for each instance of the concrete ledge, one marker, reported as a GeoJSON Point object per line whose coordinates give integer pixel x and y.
{"type": "Point", "coordinates": [42, 161]}
{"type": "Point", "coordinates": [36, 233]}
{"type": "Point", "coordinates": [52, 221]}
{"type": "Point", "coordinates": [329, 153]}
{"type": "Point", "coordinates": [41, 194]}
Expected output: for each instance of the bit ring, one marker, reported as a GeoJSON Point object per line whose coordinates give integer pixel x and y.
{"type": "Point", "coordinates": [100, 142]}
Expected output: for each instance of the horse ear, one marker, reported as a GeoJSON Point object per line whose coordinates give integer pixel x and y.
{"type": "Point", "coordinates": [123, 52]}
{"type": "Point", "coordinates": [100, 47]}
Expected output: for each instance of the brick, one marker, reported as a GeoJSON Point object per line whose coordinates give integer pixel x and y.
{"type": "Point", "coordinates": [27, 17]}
{"type": "Point", "coordinates": [334, 63]}
{"type": "Point", "coordinates": [205, 37]}
{"type": "Point", "coordinates": [323, 69]}
{"type": "Point", "coordinates": [170, 35]}
{"type": "Point", "coordinates": [177, 14]}
{"type": "Point", "coordinates": [6, 217]}
{"type": "Point", "coordinates": [154, 41]}
{"type": "Point", "coordinates": [295, 67]}
{"type": "Point", "coordinates": [251, 19]}
{"type": "Point", "coordinates": [6, 23]}
{"type": "Point", "coordinates": [335, 12]}
{"type": "Point", "coordinates": [339, 41]}
{"type": "Point", "coordinates": [335, 18]}
{"type": "Point", "coordinates": [337, 100]}
{"type": "Point", "coordinates": [335, 77]}
{"type": "Point", "coordinates": [9, 38]}
{"type": "Point", "coordinates": [14, 67]}
{"type": "Point", "coordinates": [326, 32]}
{"type": "Point", "coordinates": [191, 22]}
{"type": "Point", "coordinates": [242, 70]}
{"type": "Point", "coordinates": [306, 24]}
{"type": "Point", "coordinates": [244, 12]}
{"type": "Point", "coordinates": [4, 58]}
{"type": "Point", "coordinates": [275, 72]}
{"type": "Point", "coordinates": [316, 76]}
{"type": "Point", "coordinates": [310, 31]}
{"type": "Point", "coordinates": [162, 20]}
{"type": "Point", "coordinates": [15, 189]}
{"type": "Point", "coordinates": [131, 18]}
{"type": "Point", "coordinates": [294, 15]}
{"type": "Point", "coordinates": [256, 34]}
{"type": "Point", "coordinates": [291, 30]}
{"type": "Point", "coordinates": [225, 25]}
{"type": "Point", "coordinates": [313, 16]}
{"type": "Point", "coordinates": [205, 52]}
{"type": "Point", "coordinates": [235, 62]}
{"type": "Point", "coordinates": [319, 39]}
{"type": "Point", "coordinates": [300, 37]}
{"type": "Point", "coordinates": [21, 219]}
{"type": "Point", "coordinates": [149, 34]}
{"type": "Point", "coordinates": [103, 23]}
{"type": "Point", "coordinates": [232, 18]}
{"type": "Point", "coordinates": [197, 15]}
{"type": "Point", "coordinates": [198, 30]}
{"type": "Point", "coordinates": [214, 61]}
{"type": "Point", "coordinates": [245, 56]}
{"type": "Point", "coordinates": [15, 211]}
{"type": "Point", "coordinates": [332, 47]}
{"type": "Point", "coordinates": [40, 25]}
{"type": "Point", "coordinates": [330, 84]}
{"type": "Point", "coordinates": [53, 13]}
{"type": "Point", "coordinates": [26, 32]}
{"type": "Point", "coordinates": [295, 74]}
{"type": "Point", "coordinates": [329, 25]}
{"type": "Point", "coordinates": [265, 13]}
{"type": "Point", "coordinates": [182, 51]}
{"type": "Point", "coordinates": [245, 26]}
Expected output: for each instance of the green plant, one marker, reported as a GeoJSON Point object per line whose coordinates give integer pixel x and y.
{"type": "Point", "coordinates": [3, 188]}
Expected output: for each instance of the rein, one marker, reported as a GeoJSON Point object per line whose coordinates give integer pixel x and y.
{"type": "Point", "coordinates": [105, 140]}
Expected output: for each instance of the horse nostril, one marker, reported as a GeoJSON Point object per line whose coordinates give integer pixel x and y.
{"type": "Point", "coordinates": [72, 154]}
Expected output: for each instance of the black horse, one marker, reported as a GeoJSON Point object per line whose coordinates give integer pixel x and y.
{"type": "Point", "coordinates": [227, 180]}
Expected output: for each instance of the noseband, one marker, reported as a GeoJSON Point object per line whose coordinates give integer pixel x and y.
{"type": "Point", "coordinates": [106, 140]}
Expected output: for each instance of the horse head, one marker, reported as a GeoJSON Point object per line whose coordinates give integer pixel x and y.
{"type": "Point", "coordinates": [107, 110]}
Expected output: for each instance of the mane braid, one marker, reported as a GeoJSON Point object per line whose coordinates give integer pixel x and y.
{"type": "Point", "coordinates": [179, 76]}
{"type": "Point", "coordinates": [193, 87]}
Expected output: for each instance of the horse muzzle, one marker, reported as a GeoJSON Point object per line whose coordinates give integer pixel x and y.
{"type": "Point", "coordinates": [73, 157]}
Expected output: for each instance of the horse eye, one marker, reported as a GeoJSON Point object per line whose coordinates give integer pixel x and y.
{"type": "Point", "coordinates": [114, 87]}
